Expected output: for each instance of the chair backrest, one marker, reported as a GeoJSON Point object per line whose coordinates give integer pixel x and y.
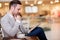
{"type": "Point", "coordinates": [2, 33]}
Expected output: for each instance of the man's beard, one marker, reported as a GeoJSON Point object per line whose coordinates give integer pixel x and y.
{"type": "Point", "coordinates": [14, 14]}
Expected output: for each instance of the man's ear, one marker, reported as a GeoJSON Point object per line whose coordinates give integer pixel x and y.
{"type": "Point", "coordinates": [12, 8]}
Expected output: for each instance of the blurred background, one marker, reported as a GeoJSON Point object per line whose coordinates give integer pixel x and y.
{"type": "Point", "coordinates": [45, 12]}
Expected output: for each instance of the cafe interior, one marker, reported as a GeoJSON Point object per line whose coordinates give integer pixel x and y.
{"type": "Point", "coordinates": [45, 12]}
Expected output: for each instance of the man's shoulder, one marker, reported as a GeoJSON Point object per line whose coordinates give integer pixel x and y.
{"type": "Point", "coordinates": [4, 17]}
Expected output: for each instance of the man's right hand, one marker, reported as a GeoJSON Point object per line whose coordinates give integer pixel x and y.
{"type": "Point", "coordinates": [18, 17]}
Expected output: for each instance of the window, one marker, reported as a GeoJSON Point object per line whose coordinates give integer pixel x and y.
{"type": "Point", "coordinates": [31, 9]}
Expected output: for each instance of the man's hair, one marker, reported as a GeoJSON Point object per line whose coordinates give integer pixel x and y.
{"type": "Point", "coordinates": [14, 3]}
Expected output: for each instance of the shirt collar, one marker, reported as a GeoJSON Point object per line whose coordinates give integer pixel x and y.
{"type": "Point", "coordinates": [10, 14]}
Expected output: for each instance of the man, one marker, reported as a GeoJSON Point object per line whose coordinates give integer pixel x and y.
{"type": "Point", "coordinates": [12, 24]}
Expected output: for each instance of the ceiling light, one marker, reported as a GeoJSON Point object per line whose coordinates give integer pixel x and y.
{"type": "Point", "coordinates": [31, 4]}
{"type": "Point", "coordinates": [56, 0]}
{"type": "Point", "coordinates": [6, 3]}
{"type": "Point", "coordinates": [51, 2]}
{"type": "Point", "coordinates": [40, 2]}
{"type": "Point", "coordinates": [26, 2]}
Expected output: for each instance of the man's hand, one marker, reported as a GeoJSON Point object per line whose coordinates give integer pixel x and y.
{"type": "Point", "coordinates": [34, 26]}
{"type": "Point", "coordinates": [18, 17]}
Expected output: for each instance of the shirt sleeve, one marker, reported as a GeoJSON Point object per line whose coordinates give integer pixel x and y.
{"type": "Point", "coordinates": [11, 31]}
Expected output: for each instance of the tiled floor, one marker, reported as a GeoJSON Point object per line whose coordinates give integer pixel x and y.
{"type": "Point", "coordinates": [54, 34]}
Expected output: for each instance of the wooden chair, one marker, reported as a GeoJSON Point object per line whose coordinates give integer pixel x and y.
{"type": "Point", "coordinates": [32, 38]}
{"type": "Point", "coordinates": [27, 38]}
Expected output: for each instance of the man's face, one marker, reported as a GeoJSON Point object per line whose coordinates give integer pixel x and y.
{"type": "Point", "coordinates": [17, 9]}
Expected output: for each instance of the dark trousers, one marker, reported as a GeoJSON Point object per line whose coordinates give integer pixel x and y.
{"type": "Point", "coordinates": [5, 38]}
{"type": "Point", "coordinates": [39, 32]}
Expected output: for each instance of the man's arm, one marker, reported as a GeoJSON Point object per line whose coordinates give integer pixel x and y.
{"type": "Point", "coordinates": [11, 31]}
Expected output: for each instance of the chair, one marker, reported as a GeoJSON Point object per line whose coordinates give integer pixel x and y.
{"type": "Point", "coordinates": [32, 38]}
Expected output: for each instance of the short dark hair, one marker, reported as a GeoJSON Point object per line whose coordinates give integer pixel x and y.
{"type": "Point", "coordinates": [14, 3]}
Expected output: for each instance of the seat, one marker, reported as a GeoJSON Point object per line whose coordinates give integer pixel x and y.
{"type": "Point", "coordinates": [32, 38]}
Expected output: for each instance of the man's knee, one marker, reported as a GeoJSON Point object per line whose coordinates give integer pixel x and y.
{"type": "Point", "coordinates": [40, 29]}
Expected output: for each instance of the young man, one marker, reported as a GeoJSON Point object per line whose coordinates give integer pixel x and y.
{"type": "Point", "coordinates": [12, 24]}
